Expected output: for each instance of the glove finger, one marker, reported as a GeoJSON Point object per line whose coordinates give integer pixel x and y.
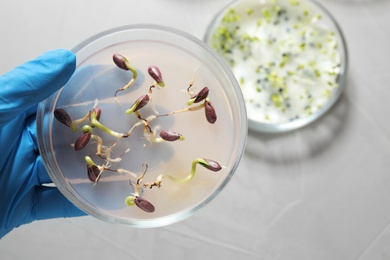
{"type": "Point", "coordinates": [52, 204]}
{"type": "Point", "coordinates": [39, 167]}
{"type": "Point", "coordinates": [34, 81]}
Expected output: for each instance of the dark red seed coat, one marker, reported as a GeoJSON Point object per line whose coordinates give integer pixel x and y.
{"type": "Point", "coordinates": [119, 61]}
{"type": "Point", "coordinates": [93, 172]}
{"type": "Point", "coordinates": [155, 73]}
{"type": "Point", "coordinates": [143, 100]}
{"type": "Point", "coordinates": [201, 95]}
{"type": "Point", "coordinates": [170, 136]}
{"type": "Point", "coordinates": [212, 165]}
{"type": "Point", "coordinates": [144, 205]}
{"type": "Point", "coordinates": [62, 116]}
{"type": "Point", "coordinates": [210, 113]}
{"type": "Point", "coordinates": [82, 141]}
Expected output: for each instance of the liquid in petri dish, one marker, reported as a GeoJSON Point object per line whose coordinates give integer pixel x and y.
{"type": "Point", "coordinates": [94, 85]}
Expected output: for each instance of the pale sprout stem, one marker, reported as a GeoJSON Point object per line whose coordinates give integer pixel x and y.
{"type": "Point", "coordinates": [183, 110]}
{"type": "Point", "coordinates": [157, 139]}
{"type": "Point", "coordinates": [177, 180]}
{"type": "Point", "coordinates": [144, 169]}
{"type": "Point", "coordinates": [153, 138]}
{"type": "Point", "coordinates": [189, 91]}
{"type": "Point", "coordinates": [76, 122]}
{"type": "Point", "coordinates": [151, 88]}
{"type": "Point", "coordinates": [145, 122]}
{"type": "Point", "coordinates": [83, 119]}
{"type": "Point", "coordinates": [133, 127]}
{"type": "Point", "coordinates": [174, 179]}
{"type": "Point", "coordinates": [137, 190]}
{"type": "Point", "coordinates": [73, 126]}
{"type": "Point", "coordinates": [141, 122]}
{"type": "Point", "coordinates": [150, 118]}
{"type": "Point", "coordinates": [107, 153]}
{"type": "Point", "coordinates": [189, 176]}
{"type": "Point", "coordinates": [105, 129]}
{"type": "Point", "coordinates": [147, 130]}
{"type": "Point", "coordinates": [106, 167]}
{"type": "Point", "coordinates": [131, 82]}
{"type": "Point", "coordinates": [139, 116]}
{"type": "Point", "coordinates": [102, 169]}
{"type": "Point", "coordinates": [99, 142]}
{"type": "Point", "coordinates": [132, 174]}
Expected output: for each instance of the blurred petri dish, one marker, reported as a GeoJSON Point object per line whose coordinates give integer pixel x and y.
{"type": "Point", "coordinates": [289, 56]}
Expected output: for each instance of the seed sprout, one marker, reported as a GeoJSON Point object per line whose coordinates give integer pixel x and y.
{"type": "Point", "coordinates": [138, 104]}
{"type": "Point", "coordinates": [62, 116]}
{"type": "Point", "coordinates": [82, 141]}
{"type": "Point", "coordinates": [99, 144]}
{"type": "Point", "coordinates": [144, 204]}
{"type": "Point", "coordinates": [198, 97]}
{"type": "Point", "coordinates": [123, 63]}
{"type": "Point", "coordinates": [155, 73]}
{"type": "Point", "coordinates": [171, 136]}
{"type": "Point", "coordinates": [207, 163]}
{"type": "Point", "coordinates": [210, 113]}
{"type": "Point", "coordinates": [135, 199]}
{"type": "Point", "coordinates": [120, 61]}
{"type": "Point", "coordinates": [193, 108]}
{"type": "Point", "coordinates": [92, 169]}
{"type": "Point", "coordinates": [164, 136]}
{"type": "Point", "coordinates": [95, 114]}
{"type": "Point", "coordinates": [95, 171]}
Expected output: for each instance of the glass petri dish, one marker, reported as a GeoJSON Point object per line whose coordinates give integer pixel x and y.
{"type": "Point", "coordinates": [126, 189]}
{"type": "Point", "coordinates": [289, 56]}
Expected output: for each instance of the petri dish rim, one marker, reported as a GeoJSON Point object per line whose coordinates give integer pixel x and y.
{"type": "Point", "coordinates": [46, 108]}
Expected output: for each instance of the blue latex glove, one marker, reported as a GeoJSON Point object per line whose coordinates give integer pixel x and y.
{"type": "Point", "coordinates": [23, 199]}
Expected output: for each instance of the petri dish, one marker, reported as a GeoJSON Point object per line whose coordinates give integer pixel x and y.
{"type": "Point", "coordinates": [289, 56]}
{"type": "Point", "coordinates": [116, 178]}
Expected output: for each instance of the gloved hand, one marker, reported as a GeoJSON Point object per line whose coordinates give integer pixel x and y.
{"type": "Point", "coordinates": [23, 199]}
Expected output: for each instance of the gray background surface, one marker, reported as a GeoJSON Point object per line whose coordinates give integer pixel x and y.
{"type": "Point", "coordinates": [322, 192]}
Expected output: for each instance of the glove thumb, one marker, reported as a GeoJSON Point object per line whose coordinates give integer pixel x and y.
{"type": "Point", "coordinates": [34, 81]}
